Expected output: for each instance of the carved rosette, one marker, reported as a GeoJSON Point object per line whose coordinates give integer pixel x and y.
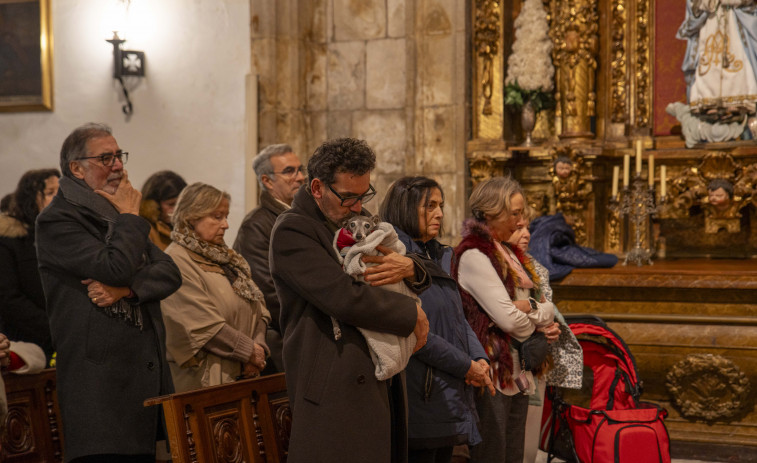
{"type": "Point", "coordinates": [282, 415]}
{"type": "Point", "coordinates": [575, 37]}
{"type": "Point", "coordinates": [486, 43]}
{"type": "Point", "coordinates": [481, 168]}
{"type": "Point", "coordinates": [618, 62]}
{"type": "Point", "coordinates": [18, 437]}
{"type": "Point", "coordinates": [708, 387]}
{"type": "Point", "coordinates": [643, 93]}
{"type": "Point", "coordinates": [228, 445]}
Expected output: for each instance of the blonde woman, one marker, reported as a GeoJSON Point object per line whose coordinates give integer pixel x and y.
{"type": "Point", "coordinates": [216, 322]}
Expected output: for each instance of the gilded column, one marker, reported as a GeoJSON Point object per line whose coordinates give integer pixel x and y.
{"type": "Point", "coordinates": [576, 46]}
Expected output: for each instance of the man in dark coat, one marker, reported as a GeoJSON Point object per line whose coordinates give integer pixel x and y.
{"type": "Point", "coordinates": [279, 173]}
{"type": "Point", "coordinates": [103, 281]}
{"type": "Point", "coordinates": [340, 411]}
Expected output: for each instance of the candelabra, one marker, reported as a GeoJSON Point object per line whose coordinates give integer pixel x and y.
{"type": "Point", "coordinates": [638, 204]}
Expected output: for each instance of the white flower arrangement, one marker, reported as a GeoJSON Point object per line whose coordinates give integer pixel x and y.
{"type": "Point", "coordinates": [529, 67]}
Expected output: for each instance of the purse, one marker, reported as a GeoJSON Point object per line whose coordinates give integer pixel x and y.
{"type": "Point", "coordinates": [532, 351]}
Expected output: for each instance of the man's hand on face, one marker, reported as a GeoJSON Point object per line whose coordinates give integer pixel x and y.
{"type": "Point", "coordinates": [126, 199]}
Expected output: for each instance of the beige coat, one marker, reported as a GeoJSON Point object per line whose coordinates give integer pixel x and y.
{"type": "Point", "coordinates": [197, 312]}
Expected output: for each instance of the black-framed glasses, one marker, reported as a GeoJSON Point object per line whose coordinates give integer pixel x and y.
{"type": "Point", "coordinates": [108, 159]}
{"type": "Point", "coordinates": [291, 171]}
{"type": "Point", "coordinates": [349, 201]}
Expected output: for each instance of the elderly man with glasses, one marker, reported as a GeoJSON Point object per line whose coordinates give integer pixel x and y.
{"type": "Point", "coordinates": [103, 281]}
{"type": "Point", "coordinates": [280, 175]}
{"type": "Point", "coordinates": [340, 411]}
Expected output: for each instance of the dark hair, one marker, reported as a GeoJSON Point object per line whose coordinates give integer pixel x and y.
{"type": "Point", "coordinates": [721, 183]}
{"type": "Point", "coordinates": [338, 156]}
{"type": "Point", "coordinates": [75, 145]}
{"type": "Point", "coordinates": [162, 186]}
{"type": "Point", "coordinates": [402, 200]}
{"type": "Point", "coordinates": [5, 203]}
{"type": "Point", "coordinates": [23, 206]}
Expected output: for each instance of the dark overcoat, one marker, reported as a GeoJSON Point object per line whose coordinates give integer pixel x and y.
{"type": "Point", "coordinates": [22, 301]}
{"type": "Point", "coordinates": [106, 367]}
{"type": "Point", "coordinates": [341, 412]}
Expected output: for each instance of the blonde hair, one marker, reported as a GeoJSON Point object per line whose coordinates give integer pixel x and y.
{"type": "Point", "coordinates": [196, 201]}
{"type": "Point", "coordinates": [492, 197]}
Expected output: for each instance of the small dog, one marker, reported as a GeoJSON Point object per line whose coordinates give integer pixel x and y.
{"type": "Point", "coordinates": [361, 226]}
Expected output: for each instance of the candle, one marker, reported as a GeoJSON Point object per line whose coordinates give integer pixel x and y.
{"type": "Point", "coordinates": [626, 166]}
{"type": "Point", "coordinates": [651, 171]}
{"type": "Point", "coordinates": [638, 157]}
{"type": "Point", "coordinates": [615, 173]}
{"type": "Point", "coordinates": [663, 180]}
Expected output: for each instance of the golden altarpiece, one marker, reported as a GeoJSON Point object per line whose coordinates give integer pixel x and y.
{"type": "Point", "coordinates": [691, 317]}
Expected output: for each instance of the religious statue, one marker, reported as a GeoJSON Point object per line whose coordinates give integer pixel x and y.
{"type": "Point", "coordinates": [571, 189]}
{"type": "Point", "coordinates": [720, 65]}
{"type": "Point", "coordinates": [696, 130]}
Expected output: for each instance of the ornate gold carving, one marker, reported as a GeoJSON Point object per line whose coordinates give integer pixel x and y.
{"type": "Point", "coordinates": [643, 92]}
{"type": "Point", "coordinates": [571, 190]}
{"type": "Point", "coordinates": [18, 437]}
{"type": "Point", "coordinates": [618, 61]}
{"type": "Point", "coordinates": [613, 229]}
{"type": "Point", "coordinates": [576, 44]}
{"type": "Point", "coordinates": [486, 42]}
{"type": "Point", "coordinates": [228, 445]}
{"type": "Point", "coordinates": [481, 168]}
{"type": "Point", "coordinates": [708, 387]}
{"type": "Point", "coordinates": [720, 186]}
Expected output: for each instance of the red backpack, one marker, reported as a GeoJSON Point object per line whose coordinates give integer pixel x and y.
{"type": "Point", "coordinates": [617, 427]}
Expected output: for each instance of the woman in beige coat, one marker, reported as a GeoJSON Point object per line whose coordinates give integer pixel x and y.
{"type": "Point", "coordinates": [216, 322]}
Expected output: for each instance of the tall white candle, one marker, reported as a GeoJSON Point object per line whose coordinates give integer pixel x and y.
{"type": "Point", "coordinates": [626, 167]}
{"type": "Point", "coordinates": [663, 180]}
{"type": "Point", "coordinates": [651, 171]}
{"type": "Point", "coordinates": [638, 156]}
{"type": "Point", "coordinates": [615, 173]}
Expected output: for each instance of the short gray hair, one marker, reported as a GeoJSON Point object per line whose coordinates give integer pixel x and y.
{"type": "Point", "coordinates": [75, 145]}
{"type": "Point", "coordinates": [196, 201]}
{"type": "Point", "coordinates": [262, 162]}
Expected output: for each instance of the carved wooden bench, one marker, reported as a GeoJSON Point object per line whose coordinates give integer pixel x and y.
{"type": "Point", "coordinates": [31, 431]}
{"type": "Point", "coordinates": [247, 420]}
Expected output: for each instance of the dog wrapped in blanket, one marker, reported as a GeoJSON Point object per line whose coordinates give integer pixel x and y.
{"type": "Point", "coordinates": [358, 237]}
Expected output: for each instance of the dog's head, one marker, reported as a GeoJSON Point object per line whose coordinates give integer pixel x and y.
{"type": "Point", "coordinates": [361, 226]}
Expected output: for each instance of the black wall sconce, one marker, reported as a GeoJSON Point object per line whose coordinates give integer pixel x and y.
{"type": "Point", "coordinates": [127, 63]}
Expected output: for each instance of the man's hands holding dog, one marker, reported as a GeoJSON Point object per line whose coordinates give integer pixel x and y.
{"type": "Point", "coordinates": [421, 329]}
{"type": "Point", "coordinates": [392, 267]}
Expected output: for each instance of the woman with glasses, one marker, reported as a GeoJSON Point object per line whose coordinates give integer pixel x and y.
{"type": "Point", "coordinates": [442, 411]}
{"type": "Point", "coordinates": [216, 321]}
{"type": "Point", "coordinates": [22, 301]}
{"type": "Point", "coordinates": [159, 196]}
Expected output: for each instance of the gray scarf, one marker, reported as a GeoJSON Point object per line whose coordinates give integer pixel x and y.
{"type": "Point", "coordinates": [78, 193]}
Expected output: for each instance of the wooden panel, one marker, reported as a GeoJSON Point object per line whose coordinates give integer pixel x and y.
{"type": "Point", "coordinates": [247, 420]}
{"type": "Point", "coordinates": [31, 429]}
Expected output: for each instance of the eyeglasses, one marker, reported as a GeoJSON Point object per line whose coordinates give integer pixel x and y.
{"type": "Point", "coordinates": [108, 159]}
{"type": "Point", "coordinates": [350, 201]}
{"type": "Point", "coordinates": [291, 171]}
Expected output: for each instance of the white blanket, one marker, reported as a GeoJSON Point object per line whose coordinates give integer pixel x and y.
{"type": "Point", "coordinates": [390, 353]}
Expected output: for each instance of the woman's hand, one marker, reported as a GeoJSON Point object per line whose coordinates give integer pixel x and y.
{"type": "Point", "coordinates": [392, 268]}
{"type": "Point", "coordinates": [103, 295]}
{"type": "Point", "coordinates": [478, 375]}
{"type": "Point", "coordinates": [256, 363]}
{"type": "Point", "coordinates": [552, 332]}
{"type": "Point", "coordinates": [5, 351]}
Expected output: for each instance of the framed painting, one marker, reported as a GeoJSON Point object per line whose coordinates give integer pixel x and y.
{"type": "Point", "coordinates": [26, 56]}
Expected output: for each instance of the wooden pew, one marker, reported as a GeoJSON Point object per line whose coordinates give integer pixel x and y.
{"type": "Point", "coordinates": [247, 420]}
{"type": "Point", "coordinates": [31, 430]}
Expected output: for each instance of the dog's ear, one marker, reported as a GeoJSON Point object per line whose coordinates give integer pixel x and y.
{"type": "Point", "coordinates": [375, 221]}
{"type": "Point", "coordinates": [344, 222]}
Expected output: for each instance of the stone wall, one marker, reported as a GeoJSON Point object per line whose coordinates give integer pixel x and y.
{"type": "Point", "coordinates": [388, 71]}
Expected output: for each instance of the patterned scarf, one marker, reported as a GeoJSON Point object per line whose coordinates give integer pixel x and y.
{"type": "Point", "coordinates": [234, 266]}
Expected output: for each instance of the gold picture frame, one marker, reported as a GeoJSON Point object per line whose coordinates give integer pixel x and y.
{"type": "Point", "coordinates": [26, 56]}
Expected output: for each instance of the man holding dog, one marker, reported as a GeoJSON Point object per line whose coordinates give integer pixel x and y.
{"type": "Point", "coordinates": [340, 411]}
